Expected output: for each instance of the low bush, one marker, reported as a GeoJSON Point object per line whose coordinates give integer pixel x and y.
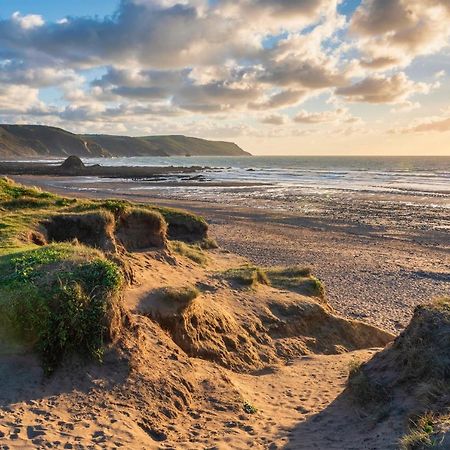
{"type": "Point", "coordinates": [57, 305]}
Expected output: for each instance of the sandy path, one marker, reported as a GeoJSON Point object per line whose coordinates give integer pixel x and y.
{"type": "Point", "coordinates": [298, 408]}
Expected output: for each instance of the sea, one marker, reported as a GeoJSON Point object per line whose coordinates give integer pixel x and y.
{"type": "Point", "coordinates": [428, 176]}
{"type": "Point", "coordinates": [281, 181]}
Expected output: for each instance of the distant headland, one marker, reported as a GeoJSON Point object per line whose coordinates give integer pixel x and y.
{"type": "Point", "coordinates": [51, 142]}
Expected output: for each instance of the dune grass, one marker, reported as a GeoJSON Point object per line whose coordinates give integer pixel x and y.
{"type": "Point", "coordinates": [191, 251]}
{"type": "Point", "coordinates": [247, 275]}
{"type": "Point", "coordinates": [427, 431]}
{"type": "Point", "coordinates": [58, 299]}
{"type": "Point", "coordinates": [182, 295]}
{"type": "Point", "coordinates": [62, 298]}
{"type": "Point", "coordinates": [295, 278]}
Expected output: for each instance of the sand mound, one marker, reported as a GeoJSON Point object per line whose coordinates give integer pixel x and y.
{"type": "Point", "coordinates": [420, 354]}
{"type": "Point", "coordinates": [139, 228]}
{"type": "Point", "coordinates": [93, 229]}
{"type": "Point", "coordinates": [135, 229]}
{"type": "Point", "coordinates": [410, 379]}
{"type": "Point", "coordinates": [250, 329]}
{"type": "Point", "coordinates": [185, 226]}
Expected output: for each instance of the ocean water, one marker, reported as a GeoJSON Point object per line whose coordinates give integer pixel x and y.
{"type": "Point", "coordinates": [428, 176]}
{"type": "Point", "coordinates": [419, 187]}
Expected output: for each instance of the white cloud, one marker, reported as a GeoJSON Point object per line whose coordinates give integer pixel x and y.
{"type": "Point", "coordinates": [394, 32]}
{"type": "Point", "coordinates": [27, 22]}
{"type": "Point", "coordinates": [436, 124]}
{"type": "Point", "coordinates": [255, 60]}
{"type": "Point", "coordinates": [18, 98]}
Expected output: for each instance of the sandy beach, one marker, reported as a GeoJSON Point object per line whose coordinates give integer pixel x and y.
{"type": "Point", "coordinates": [237, 366]}
{"type": "Point", "coordinates": [379, 257]}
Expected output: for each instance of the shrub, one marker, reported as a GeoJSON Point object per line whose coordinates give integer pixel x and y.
{"type": "Point", "coordinates": [72, 314]}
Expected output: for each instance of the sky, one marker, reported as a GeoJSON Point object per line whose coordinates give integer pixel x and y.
{"type": "Point", "coordinates": [316, 77]}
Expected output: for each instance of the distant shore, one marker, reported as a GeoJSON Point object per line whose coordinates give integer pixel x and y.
{"type": "Point", "coordinates": [375, 273]}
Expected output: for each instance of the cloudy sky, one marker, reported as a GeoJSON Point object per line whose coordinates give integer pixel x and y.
{"type": "Point", "coordinates": [275, 76]}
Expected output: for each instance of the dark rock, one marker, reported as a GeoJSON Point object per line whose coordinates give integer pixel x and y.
{"type": "Point", "coordinates": [72, 164]}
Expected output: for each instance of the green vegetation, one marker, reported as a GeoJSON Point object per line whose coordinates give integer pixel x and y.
{"type": "Point", "coordinates": [248, 276]}
{"type": "Point", "coordinates": [182, 295]}
{"type": "Point", "coordinates": [192, 251]}
{"type": "Point", "coordinates": [31, 140]}
{"type": "Point", "coordinates": [298, 279]}
{"type": "Point", "coordinates": [249, 408]}
{"type": "Point", "coordinates": [58, 299]}
{"type": "Point", "coordinates": [61, 298]}
{"type": "Point", "coordinates": [427, 431]}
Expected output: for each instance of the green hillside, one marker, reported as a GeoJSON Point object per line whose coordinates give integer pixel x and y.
{"type": "Point", "coordinates": [44, 141]}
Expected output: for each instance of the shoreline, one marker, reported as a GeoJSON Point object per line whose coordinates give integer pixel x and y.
{"type": "Point", "coordinates": [361, 265]}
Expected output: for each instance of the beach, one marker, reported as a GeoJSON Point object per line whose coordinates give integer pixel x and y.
{"type": "Point", "coordinates": [378, 255]}
{"type": "Point", "coordinates": [209, 351]}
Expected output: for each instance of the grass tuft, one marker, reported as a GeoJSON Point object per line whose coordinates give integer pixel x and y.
{"type": "Point", "coordinates": [248, 276]}
{"type": "Point", "coordinates": [298, 279]}
{"type": "Point", "coordinates": [425, 433]}
{"type": "Point", "coordinates": [249, 408]}
{"type": "Point", "coordinates": [190, 251]}
{"type": "Point", "coordinates": [182, 295]}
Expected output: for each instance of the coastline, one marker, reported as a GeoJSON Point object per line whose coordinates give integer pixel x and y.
{"type": "Point", "coordinates": [361, 264]}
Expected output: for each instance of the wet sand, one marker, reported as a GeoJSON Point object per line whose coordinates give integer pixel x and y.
{"type": "Point", "coordinates": [378, 257]}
